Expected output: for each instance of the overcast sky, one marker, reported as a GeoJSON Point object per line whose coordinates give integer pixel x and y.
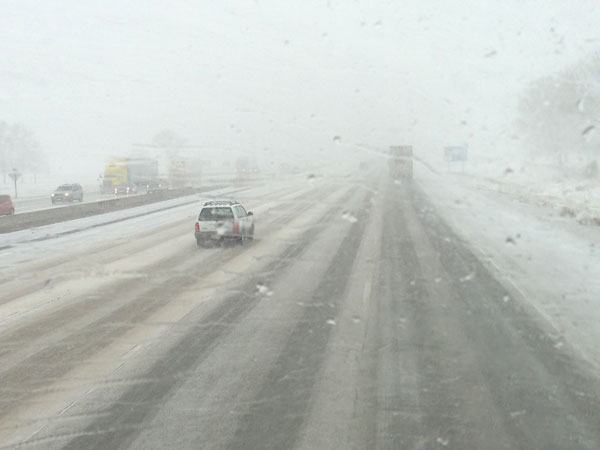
{"type": "Point", "coordinates": [93, 78]}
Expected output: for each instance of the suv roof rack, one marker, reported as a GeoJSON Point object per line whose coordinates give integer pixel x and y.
{"type": "Point", "coordinates": [220, 202]}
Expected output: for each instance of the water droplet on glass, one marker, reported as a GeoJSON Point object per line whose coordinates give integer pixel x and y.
{"type": "Point", "coordinates": [221, 229]}
{"type": "Point", "coordinates": [589, 131]}
{"type": "Point", "coordinates": [263, 289]}
{"type": "Point", "coordinates": [467, 277]}
{"type": "Point", "coordinates": [443, 442]}
{"type": "Point", "coordinates": [346, 215]}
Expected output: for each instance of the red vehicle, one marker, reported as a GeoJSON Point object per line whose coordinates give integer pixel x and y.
{"type": "Point", "coordinates": [6, 205]}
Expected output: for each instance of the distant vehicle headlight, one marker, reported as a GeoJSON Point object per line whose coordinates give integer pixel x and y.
{"type": "Point", "coordinates": [52, 195]}
{"type": "Point", "coordinates": [66, 194]}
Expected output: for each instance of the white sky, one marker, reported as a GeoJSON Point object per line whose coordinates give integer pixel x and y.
{"type": "Point", "coordinates": [93, 77]}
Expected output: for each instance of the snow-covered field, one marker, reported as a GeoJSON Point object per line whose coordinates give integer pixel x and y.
{"type": "Point", "coordinates": [44, 185]}
{"type": "Point", "coordinates": [551, 259]}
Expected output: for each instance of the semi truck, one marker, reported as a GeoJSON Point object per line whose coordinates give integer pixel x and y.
{"type": "Point", "coordinates": [178, 176]}
{"type": "Point", "coordinates": [246, 168]}
{"type": "Point", "coordinates": [400, 162]}
{"type": "Point", "coordinates": [129, 171]}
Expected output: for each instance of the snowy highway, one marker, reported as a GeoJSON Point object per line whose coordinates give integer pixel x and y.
{"type": "Point", "coordinates": [366, 314]}
{"type": "Point", "coordinates": [37, 202]}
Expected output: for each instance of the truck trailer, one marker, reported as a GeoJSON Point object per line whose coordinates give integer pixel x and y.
{"type": "Point", "coordinates": [130, 171]}
{"type": "Point", "coordinates": [401, 162]}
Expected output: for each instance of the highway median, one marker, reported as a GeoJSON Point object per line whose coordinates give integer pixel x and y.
{"type": "Point", "coordinates": [50, 216]}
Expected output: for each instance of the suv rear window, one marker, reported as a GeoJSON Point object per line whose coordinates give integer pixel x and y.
{"type": "Point", "coordinates": [4, 198]}
{"type": "Point", "coordinates": [215, 213]}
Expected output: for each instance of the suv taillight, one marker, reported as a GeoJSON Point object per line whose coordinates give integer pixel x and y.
{"type": "Point", "coordinates": [236, 227]}
{"type": "Point", "coordinates": [197, 226]}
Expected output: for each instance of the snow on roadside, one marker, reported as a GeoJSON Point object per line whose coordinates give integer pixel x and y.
{"type": "Point", "coordinates": [551, 260]}
{"type": "Point", "coordinates": [574, 197]}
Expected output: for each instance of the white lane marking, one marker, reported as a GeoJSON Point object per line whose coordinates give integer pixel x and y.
{"type": "Point", "coordinates": [68, 407]}
{"type": "Point", "coordinates": [523, 297]}
{"type": "Point", "coordinates": [366, 292]}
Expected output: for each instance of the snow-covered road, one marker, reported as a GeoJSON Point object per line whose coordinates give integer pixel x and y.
{"type": "Point", "coordinates": [551, 260]}
{"type": "Point", "coordinates": [366, 314]}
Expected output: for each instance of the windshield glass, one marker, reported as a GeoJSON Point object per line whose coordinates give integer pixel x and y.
{"type": "Point", "coordinates": [416, 264]}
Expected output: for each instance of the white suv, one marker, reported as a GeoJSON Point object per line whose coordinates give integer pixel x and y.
{"type": "Point", "coordinates": [221, 220]}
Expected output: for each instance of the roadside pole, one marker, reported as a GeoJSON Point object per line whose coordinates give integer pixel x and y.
{"type": "Point", "coordinates": [15, 175]}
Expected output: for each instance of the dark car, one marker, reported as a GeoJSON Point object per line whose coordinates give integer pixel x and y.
{"type": "Point", "coordinates": [154, 186]}
{"type": "Point", "coordinates": [67, 193]}
{"type": "Point", "coordinates": [125, 189]}
{"type": "Point", "coordinates": [6, 206]}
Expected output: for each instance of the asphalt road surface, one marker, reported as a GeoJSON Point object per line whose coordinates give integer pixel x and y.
{"type": "Point", "coordinates": [357, 319]}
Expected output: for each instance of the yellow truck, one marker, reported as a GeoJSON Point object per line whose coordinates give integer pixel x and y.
{"type": "Point", "coordinates": [178, 176]}
{"type": "Point", "coordinates": [133, 172]}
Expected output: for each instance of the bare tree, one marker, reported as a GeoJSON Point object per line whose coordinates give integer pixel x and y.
{"type": "Point", "coordinates": [170, 142]}
{"type": "Point", "coordinates": [559, 115]}
{"type": "Point", "coordinates": [19, 149]}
